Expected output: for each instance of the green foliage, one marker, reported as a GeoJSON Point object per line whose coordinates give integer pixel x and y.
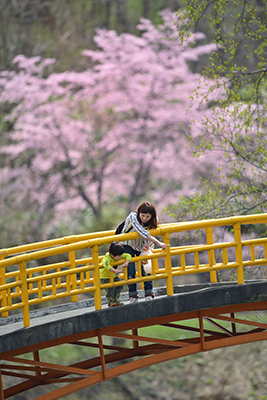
{"type": "Point", "coordinates": [235, 135]}
{"type": "Point", "coordinates": [63, 28]}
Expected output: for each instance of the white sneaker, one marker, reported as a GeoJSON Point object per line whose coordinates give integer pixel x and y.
{"type": "Point", "coordinates": [148, 298]}
{"type": "Point", "coordinates": [133, 300]}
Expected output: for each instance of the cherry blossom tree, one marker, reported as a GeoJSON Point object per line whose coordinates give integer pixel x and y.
{"type": "Point", "coordinates": [111, 135]}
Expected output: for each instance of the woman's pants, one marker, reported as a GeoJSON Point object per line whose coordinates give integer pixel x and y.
{"type": "Point", "coordinates": [131, 274]}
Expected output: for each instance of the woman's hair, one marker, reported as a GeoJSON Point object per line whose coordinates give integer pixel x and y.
{"type": "Point", "coordinates": [147, 208]}
{"type": "Point", "coordinates": [116, 249]}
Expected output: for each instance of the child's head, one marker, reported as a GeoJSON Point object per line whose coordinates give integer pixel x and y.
{"type": "Point", "coordinates": [116, 250]}
{"type": "Point", "coordinates": [147, 215]}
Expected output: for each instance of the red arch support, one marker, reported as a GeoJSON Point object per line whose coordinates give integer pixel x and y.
{"type": "Point", "coordinates": [215, 327]}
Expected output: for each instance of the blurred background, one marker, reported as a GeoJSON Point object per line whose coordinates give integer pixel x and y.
{"type": "Point", "coordinates": [97, 114]}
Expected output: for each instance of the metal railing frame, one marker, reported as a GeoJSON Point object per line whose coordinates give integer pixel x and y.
{"type": "Point", "coordinates": [27, 286]}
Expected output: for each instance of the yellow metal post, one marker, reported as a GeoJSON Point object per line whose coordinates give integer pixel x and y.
{"type": "Point", "coordinates": [24, 294]}
{"type": "Point", "coordinates": [73, 277]}
{"type": "Point", "coordinates": [168, 265]}
{"type": "Point", "coordinates": [209, 234]}
{"type": "Point", "coordinates": [97, 293]}
{"type": "Point", "coordinates": [3, 282]}
{"type": "Point", "coordinates": [238, 252]}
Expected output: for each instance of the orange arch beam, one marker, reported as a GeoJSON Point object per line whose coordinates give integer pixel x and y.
{"type": "Point", "coordinates": [148, 350]}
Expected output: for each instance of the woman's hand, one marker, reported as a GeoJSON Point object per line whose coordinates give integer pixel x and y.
{"type": "Point", "coordinates": [163, 245]}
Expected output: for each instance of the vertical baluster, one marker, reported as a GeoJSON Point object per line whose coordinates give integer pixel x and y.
{"type": "Point", "coordinates": [238, 252]}
{"type": "Point", "coordinates": [97, 293]}
{"type": "Point", "coordinates": [24, 294]}
{"type": "Point", "coordinates": [225, 256]}
{"type": "Point", "coordinates": [58, 278]}
{"type": "Point", "coordinates": [252, 252]}
{"type": "Point", "coordinates": [44, 281]}
{"type": "Point", "coordinates": [30, 284]}
{"type": "Point", "coordinates": [82, 282]}
{"type": "Point", "coordinates": [54, 286]}
{"type": "Point", "coordinates": [68, 288]}
{"type": "Point", "coordinates": [17, 287]}
{"type": "Point", "coordinates": [73, 277]}
{"type": "Point", "coordinates": [265, 250]}
{"type": "Point", "coordinates": [40, 293]}
{"type": "Point", "coordinates": [183, 264]}
{"type": "Point", "coordinates": [3, 282]}
{"type": "Point", "coordinates": [9, 298]}
{"type": "Point", "coordinates": [168, 265]}
{"type": "Point", "coordinates": [139, 269]}
{"type": "Point", "coordinates": [209, 234]}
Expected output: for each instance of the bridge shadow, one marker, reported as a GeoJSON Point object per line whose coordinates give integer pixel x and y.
{"type": "Point", "coordinates": [78, 323]}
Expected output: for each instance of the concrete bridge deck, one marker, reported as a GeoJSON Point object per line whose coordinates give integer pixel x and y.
{"type": "Point", "coordinates": [68, 319]}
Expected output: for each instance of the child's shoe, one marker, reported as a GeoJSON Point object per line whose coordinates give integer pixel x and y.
{"type": "Point", "coordinates": [120, 304]}
{"type": "Point", "coordinates": [113, 305]}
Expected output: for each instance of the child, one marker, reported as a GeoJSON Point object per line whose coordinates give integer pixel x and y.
{"type": "Point", "coordinates": [115, 253]}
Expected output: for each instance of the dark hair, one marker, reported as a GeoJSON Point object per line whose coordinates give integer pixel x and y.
{"type": "Point", "coordinates": [116, 249]}
{"type": "Point", "coordinates": [147, 208]}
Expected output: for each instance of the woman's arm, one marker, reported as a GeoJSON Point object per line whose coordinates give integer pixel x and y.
{"type": "Point", "coordinates": [137, 227]}
{"type": "Point", "coordinates": [143, 232]}
{"type": "Point", "coordinates": [156, 241]}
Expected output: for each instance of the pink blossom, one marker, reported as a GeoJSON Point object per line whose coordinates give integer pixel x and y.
{"type": "Point", "coordinates": [115, 129]}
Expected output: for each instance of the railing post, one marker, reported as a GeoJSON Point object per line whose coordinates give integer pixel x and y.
{"type": "Point", "coordinates": [238, 252]}
{"type": "Point", "coordinates": [24, 294]}
{"type": "Point", "coordinates": [213, 275]}
{"type": "Point", "coordinates": [97, 293]}
{"type": "Point", "coordinates": [168, 265]}
{"type": "Point", "coordinates": [3, 282]}
{"type": "Point", "coordinates": [73, 277]}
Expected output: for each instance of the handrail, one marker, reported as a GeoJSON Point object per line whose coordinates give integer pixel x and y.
{"type": "Point", "coordinates": [23, 286]}
{"type": "Point", "coordinates": [52, 243]}
{"type": "Point", "coordinates": [55, 242]}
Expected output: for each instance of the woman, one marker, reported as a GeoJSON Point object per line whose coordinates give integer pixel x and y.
{"type": "Point", "coordinates": [145, 217]}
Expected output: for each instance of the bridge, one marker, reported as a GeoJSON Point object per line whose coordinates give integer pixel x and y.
{"type": "Point", "coordinates": [50, 296]}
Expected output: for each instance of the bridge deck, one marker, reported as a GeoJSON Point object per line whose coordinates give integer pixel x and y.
{"type": "Point", "coordinates": [66, 320]}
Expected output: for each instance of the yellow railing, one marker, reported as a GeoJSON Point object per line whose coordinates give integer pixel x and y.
{"type": "Point", "coordinates": [59, 273]}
